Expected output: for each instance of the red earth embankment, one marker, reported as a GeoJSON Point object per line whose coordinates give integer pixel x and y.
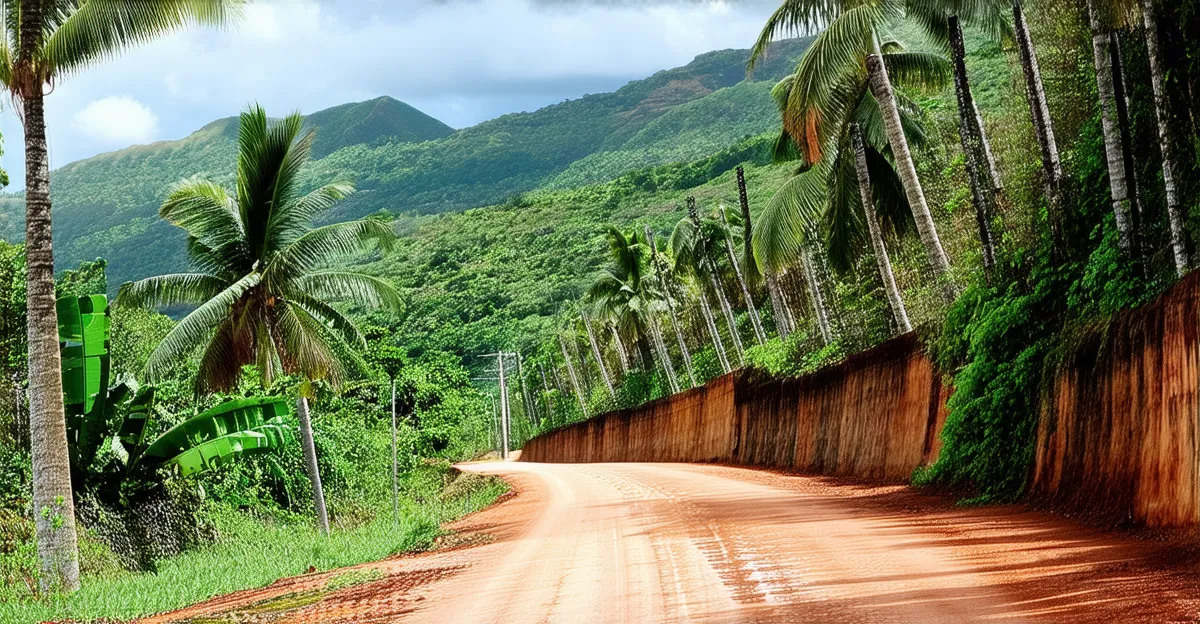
{"type": "Point", "coordinates": [875, 414]}
{"type": "Point", "coordinates": [1118, 430]}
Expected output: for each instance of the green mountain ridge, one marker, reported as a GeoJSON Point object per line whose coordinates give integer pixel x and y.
{"type": "Point", "coordinates": [406, 162]}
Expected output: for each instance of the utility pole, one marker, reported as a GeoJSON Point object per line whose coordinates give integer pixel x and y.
{"type": "Point", "coordinates": [395, 464]}
{"type": "Point", "coordinates": [504, 410]}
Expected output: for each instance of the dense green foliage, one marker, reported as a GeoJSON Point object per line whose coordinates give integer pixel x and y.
{"type": "Point", "coordinates": [407, 163]}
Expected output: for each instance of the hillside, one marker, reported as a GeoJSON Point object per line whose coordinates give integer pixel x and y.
{"type": "Point", "coordinates": [408, 163]}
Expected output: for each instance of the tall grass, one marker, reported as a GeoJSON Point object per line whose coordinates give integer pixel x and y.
{"type": "Point", "coordinates": [252, 553]}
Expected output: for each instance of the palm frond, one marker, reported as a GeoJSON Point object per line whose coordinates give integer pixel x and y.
{"type": "Point", "coordinates": [793, 18]}
{"type": "Point", "coordinates": [333, 319]}
{"type": "Point", "coordinates": [169, 290]}
{"type": "Point", "coordinates": [195, 327]}
{"type": "Point", "coordinates": [919, 70]}
{"type": "Point", "coordinates": [324, 245]}
{"type": "Point", "coordinates": [306, 348]}
{"type": "Point", "coordinates": [789, 219]}
{"type": "Point", "coordinates": [357, 288]}
{"type": "Point", "coordinates": [205, 211]}
{"type": "Point", "coordinates": [844, 225]}
{"type": "Point", "coordinates": [265, 152]}
{"type": "Point", "coordinates": [294, 218]}
{"type": "Point", "coordinates": [97, 30]}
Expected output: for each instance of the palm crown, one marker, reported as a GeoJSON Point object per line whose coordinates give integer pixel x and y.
{"type": "Point", "coordinates": [624, 293]}
{"type": "Point", "coordinates": [263, 285]}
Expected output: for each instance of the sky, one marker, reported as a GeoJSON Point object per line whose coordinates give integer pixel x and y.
{"type": "Point", "coordinates": [461, 61]}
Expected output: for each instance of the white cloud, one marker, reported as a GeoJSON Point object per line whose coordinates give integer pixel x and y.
{"type": "Point", "coordinates": [117, 120]}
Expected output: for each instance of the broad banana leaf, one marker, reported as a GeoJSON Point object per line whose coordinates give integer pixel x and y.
{"type": "Point", "coordinates": [138, 413]}
{"type": "Point", "coordinates": [212, 438]}
{"type": "Point", "coordinates": [83, 333]}
{"type": "Point", "coordinates": [216, 452]}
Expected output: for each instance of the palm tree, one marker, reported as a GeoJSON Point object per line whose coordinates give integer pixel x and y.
{"type": "Point", "coordinates": [1110, 87]}
{"type": "Point", "coordinates": [262, 287]}
{"type": "Point", "coordinates": [660, 273]}
{"type": "Point", "coordinates": [851, 178]}
{"type": "Point", "coordinates": [727, 235]}
{"type": "Point", "coordinates": [625, 295]}
{"type": "Point", "coordinates": [599, 356]}
{"type": "Point", "coordinates": [1167, 147]}
{"type": "Point", "coordinates": [1043, 125]}
{"type": "Point", "coordinates": [46, 41]}
{"type": "Point", "coordinates": [779, 305]}
{"type": "Point", "coordinates": [693, 245]}
{"type": "Point", "coordinates": [850, 38]}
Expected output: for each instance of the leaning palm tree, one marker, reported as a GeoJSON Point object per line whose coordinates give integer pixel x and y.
{"type": "Point", "coordinates": [625, 295]}
{"type": "Point", "coordinates": [694, 245]}
{"type": "Point", "coordinates": [851, 38]}
{"type": "Point", "coordinates": [852, 183]}
{"type": "Point", "coordinates": [46, 41]}
{"type": "Point", "coordinates": [262, 284]}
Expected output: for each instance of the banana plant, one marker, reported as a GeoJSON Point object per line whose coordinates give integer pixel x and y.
{"type": "Point", "coordinates": [123, 414]}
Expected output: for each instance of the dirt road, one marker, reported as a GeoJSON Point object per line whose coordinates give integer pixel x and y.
{"type": "Point", "coordinates": [685, 543]}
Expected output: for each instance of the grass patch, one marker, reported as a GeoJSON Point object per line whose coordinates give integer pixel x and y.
{"type": "Point", "coordinates": [252, 554]}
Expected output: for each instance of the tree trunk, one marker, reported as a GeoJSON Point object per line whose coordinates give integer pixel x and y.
{"type": "Point", "coordinates": [662, 285]}
{"type": "Point", "coordinates": [622, 354]}
{"type": "Point", "coordinates": [574, 377]}
{"type": "Point", "coordinates": [663, 355]}
{"type": "Point", "coordinates": [818, 299]}
{"type": "Point", "coordinates": [1125, 123]}
{"type": "Point", "coordinates": [1043, 125]}
{"type": "Point", "coordinates": [881, 256]}
{"type": "Point", "coordinates": [970, 133]}
{"type": "Point", "coordinates": [599, 357]}
{"type": "Point", "coordinates": [1174, 212]}
{"type": "Point", "coordinates": [737, 271]}
{"type": "Point", "coordinates": [643, 349]}
{"type": "Point", "coordinates": [526, 400]}
{"type": "Point", "coordinates": [310, 461]}
{"type": "Point", "coordinates": [708, 267]}
{"type": "Point", "coordinates": [997, 182]}
{"type": "Point", "coordinates": [53, 503]}
{"type": "Point", "coordinates": [1118, 183]}
{"type": "Point", "coordinates": [783, 324]}
{"type": "Point", "coordinates": [881, 89]}
{"type": "Point", "coordinates": [706, 311]}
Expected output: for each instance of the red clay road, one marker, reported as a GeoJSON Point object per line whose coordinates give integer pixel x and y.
{"type": "Point", "coordinates": [697, 543]}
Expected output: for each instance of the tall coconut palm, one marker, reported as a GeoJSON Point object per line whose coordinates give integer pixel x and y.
{"type": "Point", "coordinates": [779, 305]}
{"type": "Point", "coordinates": [625, 295]}
{"type": "Point", "coordinates": [850, 38]}
{"type": "Point", "coordinates": [694, 243]}
{"type": "Point", "coordinates": [262, 285]}
{"type": "Point", "coordinates": [1043, 124]}
{"type": "Point", "coordinates": [45, 42]}
{"type": "Point", "coordinates": [587, 325]}
{"type": "Point", "coordinates": [661, 269]}
{"type": "Point", "coordinates": [1109, 85]}
{"type": "Point", "coordinates": [852, 177]}
{"type": "Point", "coordinates": [1149, 10]}
{"type": "Point", "coordinates": [728, 233]}
{"type": "Point", "coordinates": [943, 21]}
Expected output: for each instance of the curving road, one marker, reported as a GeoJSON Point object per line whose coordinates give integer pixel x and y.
{"type": "Point", "coordinates": [689, 543]}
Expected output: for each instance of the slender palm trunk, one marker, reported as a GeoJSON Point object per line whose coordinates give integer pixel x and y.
{"type": "Point", "coordinates": [881, 89]}
{"type": "Point", "coordinates": [1110, 116]}
{"type": "Point", "coordinates": [881, 256]}
{"type": "Point", "coordinates": [993, 170]}
{"type": "Point", "coordinates": [527, 400]}
{"type": "Point", "coordinates": [622, 353]}
{"type": "Point", "coordinates": [783, 324]}
{"type": "Point", "coordinates": [755, 321]}
{"type": "Point", "coordinates": [1125, 123]}
{"type": "Point", "coordinates": [974, 153]}
{"type": "Point", "coordinates": [706, 311]}
{"type": "Point", "coordinates": [54, 506]}
{"type": "Point", "coordinates": [750, 267]}
{"type": "Point", "coordinates": [599, 357]}
{"type": "Point", "coordinates": [814, 293]}
{"type": "Point", "coordinates": [659, 271]}
{"type": "Point", "coordinates": [1043, 125]}
{"type": "Point", "coordinates": [708, 267]}
{"type": "Point", "coordinates": [663, 355]}
{"type": "Point", "coordinates": [310, 461]}
{"type": "Point", "coordinates": [547, 406]}
{"type": "Point", "coordinates": [574, 377]}
{"type": "Point", "coordinates": [1162, 115]}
